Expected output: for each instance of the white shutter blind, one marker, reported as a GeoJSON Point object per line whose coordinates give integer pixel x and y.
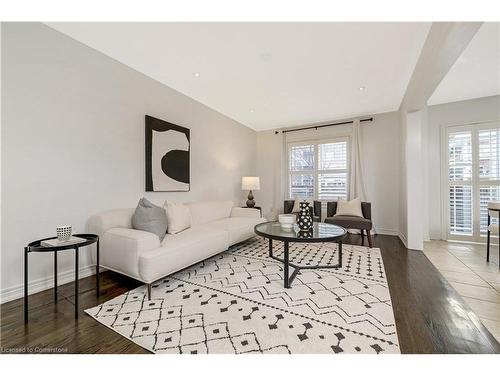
{"type": "Point", "coordinates": [318, 170]}
{"type": "Point", "coordinates": [489, 151]}
{"type": "Point", "coordinates": [301, 171]}
{"type": "Point", "coordinates": [459, 178]}
{"type": "Point", "coordinates": [332, 171]}
{"type": "Point", "coordinates": [489, 173]}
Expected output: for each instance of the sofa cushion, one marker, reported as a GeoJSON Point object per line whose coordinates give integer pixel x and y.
{"type": "Point", "coordinates": [150, 218]}
{"type": "Point", "coordinates": [181, 250]}
{"type": "Point", "coordinates": [203, 212]}
{"type": "Point", "coordinates": [178, 217]}
{"type": "Point", "coordinates": [238, 228]}
{"type": "Point", "coordinates": [350, 222]}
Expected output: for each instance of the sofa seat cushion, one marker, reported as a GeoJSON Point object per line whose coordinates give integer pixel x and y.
{"type": "Point", "coordinates": [123, 247]}
{"type": "Point", "coordinates": [238, 228]}
{"type": "Point", "coordinates": [350, 222]}
{"type": "Point", "coordinates": [181, 250]}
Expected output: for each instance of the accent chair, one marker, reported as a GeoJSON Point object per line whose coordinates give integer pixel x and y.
{"type": "Point", "coordinates": [352, 222]}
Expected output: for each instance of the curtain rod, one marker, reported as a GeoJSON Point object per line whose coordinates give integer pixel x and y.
{"type": "Point", "coordinates": [321, 126]}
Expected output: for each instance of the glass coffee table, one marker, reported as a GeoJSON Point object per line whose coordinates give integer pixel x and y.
{"type": "Point", "coordinates": [320, 232]}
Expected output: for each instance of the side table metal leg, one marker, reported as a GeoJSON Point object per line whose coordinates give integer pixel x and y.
{"type": "Point", "coordinates": [340, 254]}
{"type": "Point", "coordinates": [287, 266]}
{"type": "Point", "coordinates": [55, 276]}
{"type": "Point", "coordinates": [97, 271]}
{"type": "Point", "coordinates": [488, 239]}
{"type": "Point", "coordinates": [270, 247]}
{"type": "Point", "coordinates": [76, 282]}
{"type": "Point", "coordinates": [25, 285]}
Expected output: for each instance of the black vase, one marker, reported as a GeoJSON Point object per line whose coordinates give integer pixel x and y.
{"type": "Point", "coordinates": [305, 233]}
{"type": "Point", "coordinates": [305, 220]}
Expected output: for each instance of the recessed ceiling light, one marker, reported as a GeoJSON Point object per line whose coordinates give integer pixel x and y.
{"type": "Point", "coordinates": [196, 74]}
{"type": "Point", "coordinates": [362, 88]}
{"type": "Point", "coordinates": [252, 111]}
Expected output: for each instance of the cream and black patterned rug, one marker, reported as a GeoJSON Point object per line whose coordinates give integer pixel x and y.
{"type": "Point", "coordinates": [235, 302]}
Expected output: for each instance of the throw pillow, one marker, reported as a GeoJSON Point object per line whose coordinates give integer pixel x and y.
{"type": "Point", "coordinates": [150, 218]}
{"type": "Point", "coordinates": [349, 208]}
{"type": "Point", "coordinates": [296, 206]}
{"type": "Point", "coordinates": [178, 216]}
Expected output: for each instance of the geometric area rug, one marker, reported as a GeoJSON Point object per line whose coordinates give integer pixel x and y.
{"type": "Point", "coordinates": [235, 303]}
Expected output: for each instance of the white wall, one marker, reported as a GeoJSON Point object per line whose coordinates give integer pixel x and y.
{"type": "Point", "coordinates": [73, 144]}
{"type": "Point", "coordinates": [414, 179]}
{"type": "Point", "coordinates": [380, 147]}
{"type": "Point", "coordinates": [439, 117]}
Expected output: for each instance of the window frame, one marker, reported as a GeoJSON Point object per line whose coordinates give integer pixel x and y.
{"type": "Point", "coordinates": [476, 182]}
{"type": "Point", "coordinates": [315, 171]}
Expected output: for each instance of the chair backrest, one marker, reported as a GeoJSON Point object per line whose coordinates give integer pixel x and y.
{"type": "Point", "coordinates": [315, 208]}
{"type": "Point", "coordinates": [366, 209]}
{"type": "Point", "coordinates": [493, 207]}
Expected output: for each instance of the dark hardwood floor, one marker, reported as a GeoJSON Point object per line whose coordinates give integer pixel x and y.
{"type": "Point", "coordinates": [430, 316]}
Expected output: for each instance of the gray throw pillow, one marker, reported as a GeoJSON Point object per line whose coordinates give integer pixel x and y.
{"type": "Point", "coordinates": [150, 218]}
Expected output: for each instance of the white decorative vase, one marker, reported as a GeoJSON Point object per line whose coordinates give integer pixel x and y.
{"type": "Point", "coordinates": [64, 232]}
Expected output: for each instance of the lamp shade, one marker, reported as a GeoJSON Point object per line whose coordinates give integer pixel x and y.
{"type": "Point", "coordinates": [250, 183]}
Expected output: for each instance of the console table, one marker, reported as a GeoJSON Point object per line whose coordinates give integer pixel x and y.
{"type": "Point", "coordinates": [36, 246]}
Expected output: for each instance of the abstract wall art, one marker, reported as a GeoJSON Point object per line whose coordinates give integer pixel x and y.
{"type": "Point", "coordinates": [167, 156]}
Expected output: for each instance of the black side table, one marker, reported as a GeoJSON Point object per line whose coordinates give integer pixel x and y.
{"type": "Point", "coordinates": [35, 246]}
{"type": "Point", "coordinates": [254, 208]}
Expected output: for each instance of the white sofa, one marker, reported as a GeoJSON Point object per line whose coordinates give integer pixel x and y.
{"type": "Point", "coordinates": [138, 254]}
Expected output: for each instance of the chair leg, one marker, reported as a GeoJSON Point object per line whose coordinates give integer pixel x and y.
{"type": "Point", "coordinates": [362, 237]}
{"type": "Point", "coordinates": [149, 292]}
{"type": "Point", "coordinates": [488, 246]}
{"type": "Point", "coordinates": [368, 234]}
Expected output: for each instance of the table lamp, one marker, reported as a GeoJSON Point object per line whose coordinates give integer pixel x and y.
{"type": "Point", "coordinates": [250, 183]}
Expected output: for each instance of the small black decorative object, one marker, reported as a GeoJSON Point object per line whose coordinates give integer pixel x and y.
{"type": "Point", "coordinates": [305, 221]}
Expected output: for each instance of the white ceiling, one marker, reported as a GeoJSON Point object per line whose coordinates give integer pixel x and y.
{"type": "Point", "coordinates": [476, 73]}
{"type": "Point", "coordinates": [269, 75]}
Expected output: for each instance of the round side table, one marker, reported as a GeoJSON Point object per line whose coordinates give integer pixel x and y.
{"type": "Point", "coordinates": [36, 246]}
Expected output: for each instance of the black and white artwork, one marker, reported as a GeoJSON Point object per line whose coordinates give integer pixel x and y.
{"type": "Point", "coordinates": [167, 156]}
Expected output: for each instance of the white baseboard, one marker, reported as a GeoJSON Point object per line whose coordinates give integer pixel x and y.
{"type": "Point", "coordinates": [402, 237]}
{"type": "Point", "coordinates": [435, 236]}
{"type": "Point", "coordinates": [35, 286]}
{"type": "Point", "coordinates": [389, 232]}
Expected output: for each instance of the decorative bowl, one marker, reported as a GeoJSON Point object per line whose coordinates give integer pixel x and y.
{"type": "Point", "coordinates": [287, 220]}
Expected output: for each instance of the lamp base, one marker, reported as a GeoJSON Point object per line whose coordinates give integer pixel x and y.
{"type": "Point", "coordinates": [250, 201]}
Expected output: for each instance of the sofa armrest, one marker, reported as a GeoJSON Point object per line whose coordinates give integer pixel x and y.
{"type": "Point", "coordinates": [121, 248]}
{"type": "Point", "coordinates": [245, 212]}
{"type": "Point", "coordinates": [120, 218]}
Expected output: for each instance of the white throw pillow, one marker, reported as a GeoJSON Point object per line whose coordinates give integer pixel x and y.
{"type": "Point", "coordinates": [296, 206]}
{"type": "Point", "coordinates": [349, 208]}
{"type": "Point", "coordinates": [178, 217]}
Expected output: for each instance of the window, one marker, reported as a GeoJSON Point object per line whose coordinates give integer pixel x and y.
{"type": "Point", "coordinates": [318, 170]}
{"type": "Point", "coordinates": [473, 160]}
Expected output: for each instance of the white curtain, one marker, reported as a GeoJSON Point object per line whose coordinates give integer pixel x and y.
{"type": "Point", "coordinates": [356, 182]}
{"type": "Point", "coordinates": [356, 185]}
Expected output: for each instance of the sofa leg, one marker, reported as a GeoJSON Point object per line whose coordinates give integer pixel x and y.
{"type": "Point", "coordinates": [368, 234]}
{"type": "Point", "coordinates": [149, 292]}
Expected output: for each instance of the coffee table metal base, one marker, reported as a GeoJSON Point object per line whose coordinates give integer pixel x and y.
{"type": "Point", "coordinates": [288, 279]}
